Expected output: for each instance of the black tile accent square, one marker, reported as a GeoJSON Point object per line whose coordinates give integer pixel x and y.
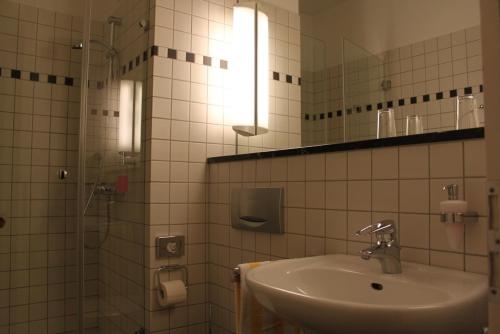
{"type": "Point", "coordinates": [401, 102]}
{"type": "Point", "coordinates": [427, 98]}
{"type": "Point", "coordinates": [0, 71]}
{"type": "Point", "coordinates": [172, 54]}
{"type": "Point", "coordinates": [34, 76]}
{"type": "Point", "coordinates": [100, 84]}
{"type": "Point", "coordinates": [116, 113]}
{"type": "Point", "coordinates": [368, 107]}
{"type": "Point", "coordinates": [339, 113]}
{"type": "Point", "coordinates": [468, 90]}
{"type": "Point", "coordinates": [358, 109]}
{"type": "Point", "coordinates": [144, 56]}
{"type": "Point", "coordinates": [52, 79]}
{"type": "Point", "coordinates": [380, 106]}
{"type": "Point", "coordinates": [15, 74]}
{"type": "Point", "coordinates": [321, 116]}
{"type": "Point", "coordinates": [390, 104]}
{"type": "Point", "coordinates": [307, 117]}
{"type": "Point", "coordinates": [413, 100]}
{"type": "Point", "coordinates": [105, 112]}
{"type": "Point", "coordinates": [276, 76]}
{"type": "Point", "coordinates": [207, 61]}
{"type": "Point", "coordinates": [439, 95]}
{"type": "Point", "coordinates": [300, 81]}
{"type": "Point", "coordinates": [288, 78]}
{"type": "Point", "coordinates": [190, 57]}
{"type": "Point", "coordinates": [137, 60]}
{"type": "Point", "coordinates": [480, 88]}
{"type": "Point", "coordinates": [68, 81]}
{"type": "Point", "coordinates": [453, 93]}
{"type": "Point", "coordinates": [154, 50]}
{"type": "Point", "coordinates": [330, 114]}
{"type": "Point", "coordinates": [130, 65]}
{"type": "Point", "coordinates": [223, 64]}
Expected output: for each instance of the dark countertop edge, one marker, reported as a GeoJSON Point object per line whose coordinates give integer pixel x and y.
{"type": "Point", "coordinates": [432, 137]}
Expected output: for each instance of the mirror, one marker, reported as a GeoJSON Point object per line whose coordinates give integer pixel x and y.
{"type": "Point", "coordinates": [352, 70]}
{"type": "Point", "coordinates": [386, 68]}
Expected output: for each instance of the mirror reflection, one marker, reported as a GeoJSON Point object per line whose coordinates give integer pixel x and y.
{"type": "Point", "coordinates": [385, 68]}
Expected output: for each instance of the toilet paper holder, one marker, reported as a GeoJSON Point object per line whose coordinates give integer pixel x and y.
{"type": "Point", "coordinates": [172, 267]}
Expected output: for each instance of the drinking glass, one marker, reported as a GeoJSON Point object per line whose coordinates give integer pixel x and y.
{"type": "Point", "coordinates": [467, 112]}
{"type": "Point", "coordinates": [414, 125]}
{"type": "Point", "coordinates": [386, 126]}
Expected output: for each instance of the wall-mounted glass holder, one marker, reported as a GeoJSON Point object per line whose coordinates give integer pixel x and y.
{"type": "Point", "coordinates": [458, 217]}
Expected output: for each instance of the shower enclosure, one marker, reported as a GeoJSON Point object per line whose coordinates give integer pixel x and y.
{"type": "Point", "coordinates": [72, 77]}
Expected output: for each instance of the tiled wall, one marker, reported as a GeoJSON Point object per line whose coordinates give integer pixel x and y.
{"type": "Point", "coordinates": [39, 104]}
{"type": "Point", "coordinates": [330, 196]}
{"type": "Point", "coordinates": [187, 122]}
{"type": "Point", "coordinates": [425, 79]}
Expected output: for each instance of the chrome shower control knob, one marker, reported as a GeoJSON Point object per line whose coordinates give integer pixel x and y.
{"type": "Point", "coordinates": [62, 174]}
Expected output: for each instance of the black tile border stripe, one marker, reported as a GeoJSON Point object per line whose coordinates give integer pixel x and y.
{"type": "Point", "coordinates": [432, 137]}
{"type": "Point", "coordinates": [427, 97]}
{"type": "Point", "coordinates": [18, 74]}
{"type": "Point", "coordinates": [191, 57]}
{"type": "Point", "coordinates": [286, 78]}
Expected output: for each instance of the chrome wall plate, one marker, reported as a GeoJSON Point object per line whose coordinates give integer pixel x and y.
{"type": "Point", "coordinates": [169, 246]}
{"type": "Point", "coordinates": [257, 209]}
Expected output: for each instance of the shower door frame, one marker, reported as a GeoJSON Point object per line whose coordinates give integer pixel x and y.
{"type": "Point", "coordinates": [82, 149]}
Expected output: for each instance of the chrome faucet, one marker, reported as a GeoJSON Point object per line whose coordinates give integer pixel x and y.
{"type": "Point", "coordinates": [387, 249]}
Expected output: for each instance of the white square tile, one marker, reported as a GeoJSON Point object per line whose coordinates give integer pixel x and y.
{"type": "Point", "coordinates": [385, 163]}
{"type": "Point", "coordinates": [414, 196]}
{"type": "Point", "coordinates": [359, 195]}
{"type": "Point", "coordinates": [414, 161]}
{"type": "Point", "coordinates": [385, 196]}
{"type": "Point", "coordinates": [446, 160]}
{"type": "Point", "coordinates": [474, 158]}
{"type": "Point", "coordinates": [414, 230]}
{"type": "Point", "coordinates": [359, 165]}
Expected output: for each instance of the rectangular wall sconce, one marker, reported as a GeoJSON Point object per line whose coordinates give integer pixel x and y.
{"type": "Point", "coordinates": [250, 70]}
{"type": "Point", "coordinates": [129, 125]}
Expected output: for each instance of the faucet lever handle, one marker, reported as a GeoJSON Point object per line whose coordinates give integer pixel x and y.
{"type": "Point", "coordinates": [383, 227]}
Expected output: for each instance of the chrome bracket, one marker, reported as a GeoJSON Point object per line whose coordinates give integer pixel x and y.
{"type": "Point", "coordinates": [459, 217]}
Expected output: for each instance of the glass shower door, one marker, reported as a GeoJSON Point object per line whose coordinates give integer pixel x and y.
{"type": "Point", "coordinates": [113, 201]}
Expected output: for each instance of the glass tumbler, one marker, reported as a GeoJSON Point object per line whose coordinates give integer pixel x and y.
{"type": "Point", "coordinates": [467, 112]}
{"type": "Point", "coordinates": [414, 125]}
{"type": "Point", "coordinates": [386, 125]}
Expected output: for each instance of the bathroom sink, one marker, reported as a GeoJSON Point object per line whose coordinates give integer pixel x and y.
{"type": "Point", "coordinates": [345, 294]}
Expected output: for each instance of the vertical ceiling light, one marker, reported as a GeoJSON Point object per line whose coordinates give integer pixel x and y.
{"type": "Point", "coordinates": [129, 124]}
{"type": "Point", "coordinates": [250, 69]}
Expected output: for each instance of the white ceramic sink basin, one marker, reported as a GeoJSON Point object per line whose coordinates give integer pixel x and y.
{"type": "Point", "coordinates": [345, 294]}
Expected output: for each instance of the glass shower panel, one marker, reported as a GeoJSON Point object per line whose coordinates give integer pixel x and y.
{"type": "Point", "coordinates": [39, 116]}
{"type": "Point", "coordinates": [363, 76]}
{"type": "Point", "coordinates": [114, 170]}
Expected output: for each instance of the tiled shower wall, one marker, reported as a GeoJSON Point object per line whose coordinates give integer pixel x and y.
{"type": "Point", "coordinates": [330, 196]}
{"type": "Point", "coordinates": [425, 76]}
{"type": "Point", "coordinates": [39, 108]}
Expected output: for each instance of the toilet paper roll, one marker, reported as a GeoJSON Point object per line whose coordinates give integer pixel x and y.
{"type": "Point", "coordinates": [171, 293]}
